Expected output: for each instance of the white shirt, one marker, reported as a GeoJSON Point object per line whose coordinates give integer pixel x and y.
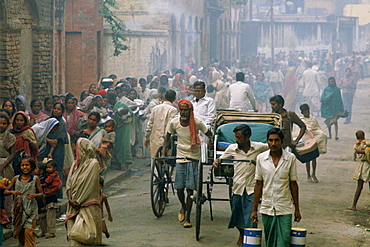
{"type": "Point", "coordinates": [240, 96]}
{"type": "Point", "coordinates": [311, 82]}
{"type": "Point", "coordinates": [204, 109]}
{"type": "Point", "coordinates": [276, 180]}
{"type": "Point", "coordinates": [159, 118]}
{"type": "Point", "coordinates": [244, 172]}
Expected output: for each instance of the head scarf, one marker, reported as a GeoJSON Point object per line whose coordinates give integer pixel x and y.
{"type": "Point", "coordinates": [26, 126]}
{"type": "Point", "coordinates": [22, 144]}
{"type": "Point", "coordinates": [194, 138]}
{"type": "Point", "coordinates": [42, 130]}
{"type": "Point", "coordinates": [71, 123]}
{"type": "Point", "coordinates": [102, 92]}
{"type": "Point", "coordinates": [86, 151]}
{"type": "Point", "coordinates": [86, 103]}
{"type": "Point", "coordinates": [24, 102]}
{"type": "Point", "coordinates": [153, 93]}
{"type": "Point", "coordinates": [192, 79]}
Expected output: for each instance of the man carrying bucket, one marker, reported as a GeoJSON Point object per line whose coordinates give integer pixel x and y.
{"type": "Point", "coordinates": [243, 180]}
{"type": "Point", "coordinates": [276, 182]}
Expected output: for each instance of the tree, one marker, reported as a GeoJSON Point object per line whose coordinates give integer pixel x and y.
{"type": "Point", "coordinates": [116, 25]}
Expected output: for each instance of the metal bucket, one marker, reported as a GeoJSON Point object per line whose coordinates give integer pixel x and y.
{"type": "Point", "coordinates": [298, 237]}
{"type": "Point", "coordinates": [252, 237]}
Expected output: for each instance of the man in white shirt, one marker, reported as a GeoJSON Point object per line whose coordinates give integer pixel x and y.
{"type": "Point", "coordinates": [243, 180]}
{"type": "Point", "coordinates": [276, 175]}
{"type": "Point", "coordinates": [241, 94]}
{"type": "Point", "coordinates": [276, 80]}
{"type": "Point", "coordinates": [159, 118]}
{"type": "Point", "coordinates": [204, 107]}
{"type": "Point", "coordinates": [310, 83]}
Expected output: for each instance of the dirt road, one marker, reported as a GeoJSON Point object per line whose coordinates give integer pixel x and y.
{"type": "Point", "coordinates": [324, 204]}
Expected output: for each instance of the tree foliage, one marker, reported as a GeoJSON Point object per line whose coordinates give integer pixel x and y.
{"type": "Point", "coordinates": [116, 25]}
{"type": "Point", "coordinates": [239, 2]}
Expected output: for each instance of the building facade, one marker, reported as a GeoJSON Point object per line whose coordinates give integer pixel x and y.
{"type": "Point", "coordinates": [26, 35]}
{"type": "Point", "coordinates": [168, 34]}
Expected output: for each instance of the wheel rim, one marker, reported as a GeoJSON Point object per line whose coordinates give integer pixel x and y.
{"type": "Point", "coordinates": [199, 202]}
{"type": "Point", "coordinates": [158, 186]}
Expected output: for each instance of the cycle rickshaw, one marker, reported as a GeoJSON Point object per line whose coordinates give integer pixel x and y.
{"type": "Point", "coordinates": [223, 125]}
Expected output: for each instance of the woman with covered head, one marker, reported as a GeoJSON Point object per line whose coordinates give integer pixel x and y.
{"type": "Point", "coordinates": [22, 105]}
{"type": "Point", "coordinates": [331, 104]}
{"type": "Point", "coordinates": [55, 141]}
{"type": "Point", "coordinates": [75, 119]}
{"type": "Point", "coordinates": [83, 195]}
{"type": "Point", "coordinates": [216, 79]}
{"type": "Point", "coordinates": [25, 139]}
{"type": "Point", "coordinates": [43, 129]}
{"type": "Point", "coordinates": [222, 98]}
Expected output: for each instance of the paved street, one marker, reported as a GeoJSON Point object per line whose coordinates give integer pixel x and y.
{"type": "Point", "coordinates": [323, 205]}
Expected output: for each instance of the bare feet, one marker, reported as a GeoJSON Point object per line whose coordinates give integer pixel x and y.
{"type": "Point", "coordinates": [352, 208]}
{"type": "Point", "coordinates": [107, 234]}
{"type": "Point", "coordinates": [314, 179]}
{"type": "Point", "coordinates": [309, 179]}
{"type": "Point", "coordinates": [240, 240]}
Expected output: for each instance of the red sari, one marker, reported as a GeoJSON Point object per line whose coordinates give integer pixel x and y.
{"type": "Point", "coordinates": [22, 145]}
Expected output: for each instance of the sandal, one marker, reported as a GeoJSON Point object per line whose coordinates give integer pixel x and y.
{"type": "Point", "coordinates": [187, 225]}
{"type": "Point", "coordinates": [181, 217]}
{"type": "Point", "coordinates": [50, 236]}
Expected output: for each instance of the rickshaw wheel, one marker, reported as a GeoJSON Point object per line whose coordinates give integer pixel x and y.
{"type": "Point", "coordinates": [159, 185]}
{"type": "Point", "coordinates": [199, 203]}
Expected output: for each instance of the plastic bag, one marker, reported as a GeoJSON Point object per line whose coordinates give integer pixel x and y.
{"type": "Point", "coordinates": [84, 229]}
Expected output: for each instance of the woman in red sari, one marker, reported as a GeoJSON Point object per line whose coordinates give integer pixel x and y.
{"type": "Point", "coordinates": [25, 139]}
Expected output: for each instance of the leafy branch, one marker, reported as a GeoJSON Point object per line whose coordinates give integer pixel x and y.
{"type": "Point", "coordinates": [239, 2]}
{"type": "Point", "coordinates": [116, 25]}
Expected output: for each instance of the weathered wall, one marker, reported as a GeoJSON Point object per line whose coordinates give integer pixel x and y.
{"type": "Point", "coordinates": [25, 48]}
{"type": "Point", "coordinates": [165, 34]}
{"type": "Point", "coordinates": [79, 45]}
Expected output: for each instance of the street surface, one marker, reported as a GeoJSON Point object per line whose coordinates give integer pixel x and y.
{"type": "Point", "coordinates": [323, 205]}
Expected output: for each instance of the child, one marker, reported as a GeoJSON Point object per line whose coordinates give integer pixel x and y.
{"type": "Point", "coordinates": [40, 171]}
{"type": "Point", "coordinates": [26, 187]}
{"type": "Point", "coordinates": [51, 187]}
{"type": "Point", "coordinates": [4, 182]}
{"type": "Point", "coordinates": [104, 201]}
{"type": "Point", "coordinates": [313, 126]}
{"type": "Point", "coordinates": [362, 172]}
{"type": "Point", "coordinates": [107, 145]}
{"type": "Point", "coordinates": [99, 107]}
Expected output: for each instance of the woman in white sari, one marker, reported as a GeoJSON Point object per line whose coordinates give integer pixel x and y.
{"type": "Point", "coordinates": [83, 211]}
{"type": "Point", "coordinates": [42, 130]}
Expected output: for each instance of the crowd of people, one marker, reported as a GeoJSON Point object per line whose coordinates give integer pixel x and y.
{"type": "Point", "coordinates": [63, 138]}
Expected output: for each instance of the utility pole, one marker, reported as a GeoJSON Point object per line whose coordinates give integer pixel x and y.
{"type": "Point", "coordinates": [272, 34]}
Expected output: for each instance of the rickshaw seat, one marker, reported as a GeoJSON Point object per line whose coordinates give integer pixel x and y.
{"type": "Point", "coordinates": [226, 136]}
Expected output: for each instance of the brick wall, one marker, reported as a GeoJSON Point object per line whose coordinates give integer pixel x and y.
{"type": "Point", "coordinates": [36, 16]}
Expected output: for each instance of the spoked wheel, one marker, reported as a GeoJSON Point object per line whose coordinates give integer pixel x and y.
{"type": "Point", "coordinates": [159, 184]}
{"type": "Point", "coordinates": [199, 201]}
